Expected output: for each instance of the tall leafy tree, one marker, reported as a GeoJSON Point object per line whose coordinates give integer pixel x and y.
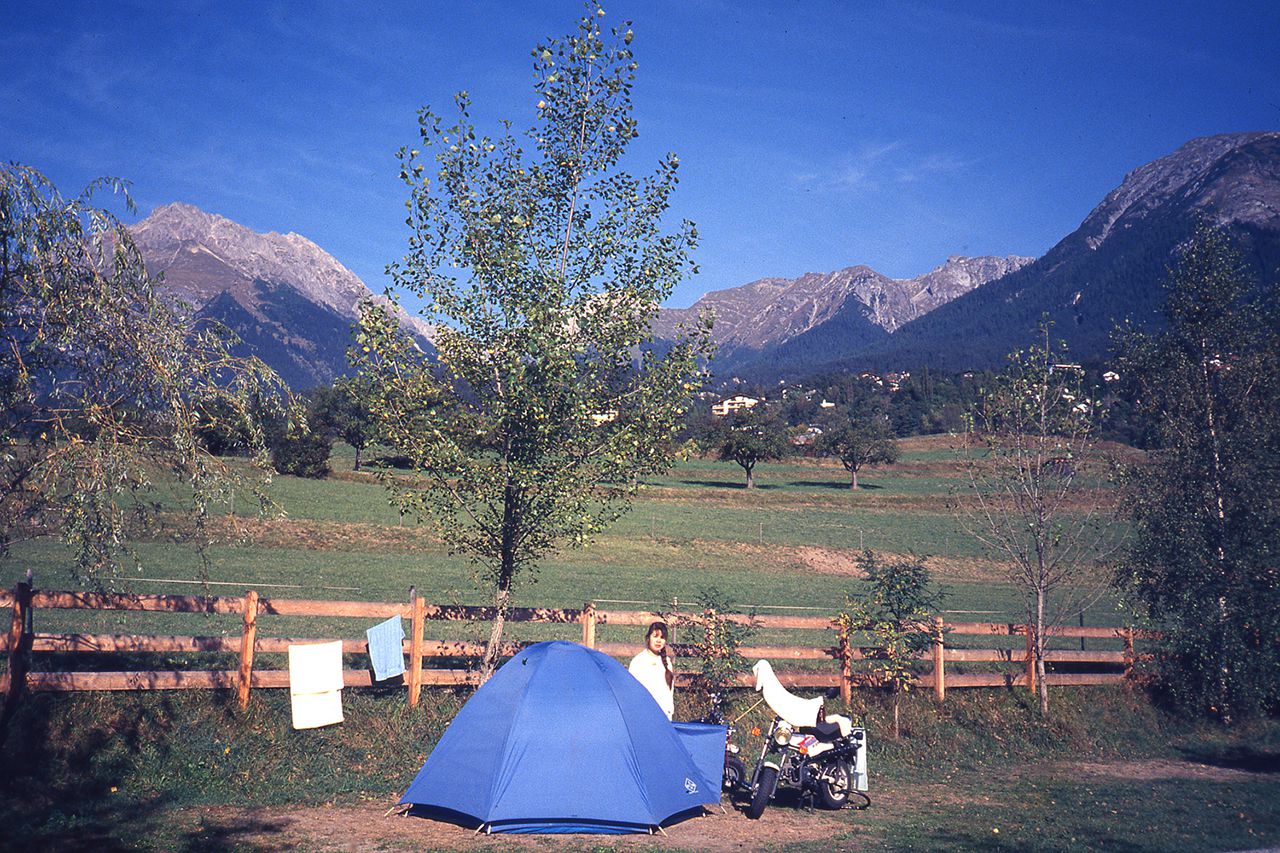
{"type": "Point", "coordinates": [749, 437]}
{"type": "Point", "coordinates": [1205, 557]}
{"type": "Point", "coordinates": [542, 263]}
{"type": "Point", "coordinates": [857, 443]}
{"type": "Point", "coordinates": [1037, 496]}
{"type": "Point", "coordinates": [105, 388]}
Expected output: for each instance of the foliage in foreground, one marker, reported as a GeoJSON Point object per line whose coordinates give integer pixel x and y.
{"type": "Point", "coordinates": [562, 259]}
{"type": "Point", "coordinates": [105, 387]}
{"type": "Point", "coordinates": [1205, 558]}
{"type": "Point", "coordinates": [714, 635]}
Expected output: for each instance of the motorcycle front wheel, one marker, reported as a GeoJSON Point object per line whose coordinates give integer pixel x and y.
{"type": "Point", "coordinates": [833, 785]}
{"type": "Point", "coordinates": [760, 797]}
{"type": "Point", "coordinates": [735, 773]}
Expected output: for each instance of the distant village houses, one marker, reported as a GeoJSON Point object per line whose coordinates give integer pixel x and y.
{"type": "Point", "coordinates": [733, 404]}
{"type": "Point", "coordinates": [805, 436]}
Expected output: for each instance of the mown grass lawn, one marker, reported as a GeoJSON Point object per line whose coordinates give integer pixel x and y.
{"type": "Point", "coordinates": [787, 547]}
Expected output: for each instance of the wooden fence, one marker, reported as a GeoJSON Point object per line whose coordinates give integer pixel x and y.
{"type": "Point", "coordinates": [1111, 666]}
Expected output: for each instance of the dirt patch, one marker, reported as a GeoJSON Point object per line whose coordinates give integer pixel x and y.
{"type": "Point", "coordinates": [829, 561]}
{"type": "Point", "coordinates": [364, 828]}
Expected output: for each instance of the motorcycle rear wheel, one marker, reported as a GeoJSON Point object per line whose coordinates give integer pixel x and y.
{"type": "Point", "coordinates": [735, 773]}
{"type": "Point", "coordinates": [765, 787]}
{"type": "Point", "coordinates": [834, 784]}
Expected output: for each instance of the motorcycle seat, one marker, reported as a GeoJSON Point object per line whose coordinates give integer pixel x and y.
{"type": "Point", "coordinates": [825, 731]}
{"type": "Point", "coordinates": [830, 729]}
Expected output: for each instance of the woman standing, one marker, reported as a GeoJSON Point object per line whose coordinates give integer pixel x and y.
{"type": "Point", "coordinates": [652, 668]}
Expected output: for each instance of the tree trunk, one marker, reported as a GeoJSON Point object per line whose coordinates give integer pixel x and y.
{"type": "Point", "coordinates": [853, 479]}
{"type": "Point", "coordinates": [501, 601]}
{"type": "Point", "coordinates": [502, 589]}
{"type": "Point", "coordinates": [1220, 523]}
{"type": "Point", "coordinates": [1042, 687]}
{"type": "Point", "coordinates": [357, 465]}
{"type": "Point", "coordinates": [751, 483]}
{"type": "Point", "coordinates": [897, 701]}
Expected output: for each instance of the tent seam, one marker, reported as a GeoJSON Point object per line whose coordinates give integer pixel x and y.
{"type": "Point", "coordinates": [506, 740]}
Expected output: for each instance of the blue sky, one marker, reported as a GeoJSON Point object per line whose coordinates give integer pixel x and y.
{"type": "Point", "coordinates": [812, 135]}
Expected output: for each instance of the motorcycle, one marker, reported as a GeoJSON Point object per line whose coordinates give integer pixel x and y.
{"type": "Point", "coordinates": [819, 755]}
{"type": "Point", "coordinates": [735, 770]}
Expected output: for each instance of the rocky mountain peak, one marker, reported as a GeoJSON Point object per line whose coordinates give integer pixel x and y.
{"type": "Point", "coordinates": [188, 245]}
{"type": "Point", "coordinates": [771, 311]}
{"type": "Point", "coordinates": [289, 301]}
{"type": "Point", "coordinates": [1188, 172]}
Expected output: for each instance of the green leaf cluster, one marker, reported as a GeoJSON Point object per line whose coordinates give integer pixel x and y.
{"type": "Point", "coordinates": [714, 634]}
{"type": "Point", "coordinates": [895, 613]}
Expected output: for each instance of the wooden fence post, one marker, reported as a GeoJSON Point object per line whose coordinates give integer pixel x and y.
{"type": "Point", "coordinates": [417, 611]}
{"type": "Point", "coordinates": [939, 665]}
{"type": "Point", "coordinates": [248, 637]}
{"type": "Point", "coordinates": [19, 646]}
{"type": "Point", "coordinates": [1128, 653]}
{"type": "Point", "coordinates": [846, 667]}
{"type": "Point", "coordinates": [589, 625]}
{"type": "Point", "coordinates": [1031, 658]}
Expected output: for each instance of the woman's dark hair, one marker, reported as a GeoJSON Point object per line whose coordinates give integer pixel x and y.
{"type": "Point", "coordinates": [660, 627]}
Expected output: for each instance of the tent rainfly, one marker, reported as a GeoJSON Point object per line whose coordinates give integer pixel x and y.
{"type": "Point", "coordinates": [561, 739]}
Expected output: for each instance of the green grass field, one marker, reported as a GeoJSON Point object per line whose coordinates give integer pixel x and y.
{"type": "Point", "coordinates": [787, 547]}
{"type": "Point", "coordinates": [138, 771]}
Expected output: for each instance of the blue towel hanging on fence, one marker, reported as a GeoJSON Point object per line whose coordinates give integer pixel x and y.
{"type": "Point", "coordinates": [386, 649]}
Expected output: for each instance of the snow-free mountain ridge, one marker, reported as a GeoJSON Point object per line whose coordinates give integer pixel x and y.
{"type": "Point", "coordinates": [291, 302]}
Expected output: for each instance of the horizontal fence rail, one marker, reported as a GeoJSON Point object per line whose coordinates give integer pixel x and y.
{"type": "Point", "coordinates": [21, 641]}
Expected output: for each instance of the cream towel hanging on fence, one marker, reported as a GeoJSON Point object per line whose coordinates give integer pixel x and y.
{"type": "Point", "coordinates": [315, 684]}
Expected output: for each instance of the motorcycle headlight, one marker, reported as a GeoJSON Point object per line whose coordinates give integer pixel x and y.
{"type": "Point", "coordinates": [782, 734]}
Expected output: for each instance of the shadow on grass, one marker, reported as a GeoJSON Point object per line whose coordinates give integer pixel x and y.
{"type": "Point", "coordinates": [61, 788]}
{"type": "Point", "coordinates": [725, 484]}
{"type": "Point", "coordinates": [1234, 757]}
{"type": "Point", "coordinates": [834, 485]}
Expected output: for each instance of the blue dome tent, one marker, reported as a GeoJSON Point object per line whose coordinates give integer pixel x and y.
{"type": "Point", "coordinates": [561, 739]}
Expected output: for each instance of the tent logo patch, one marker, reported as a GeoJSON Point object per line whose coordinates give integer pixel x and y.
{"type": "Point", "coordinates": [690, 786]}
